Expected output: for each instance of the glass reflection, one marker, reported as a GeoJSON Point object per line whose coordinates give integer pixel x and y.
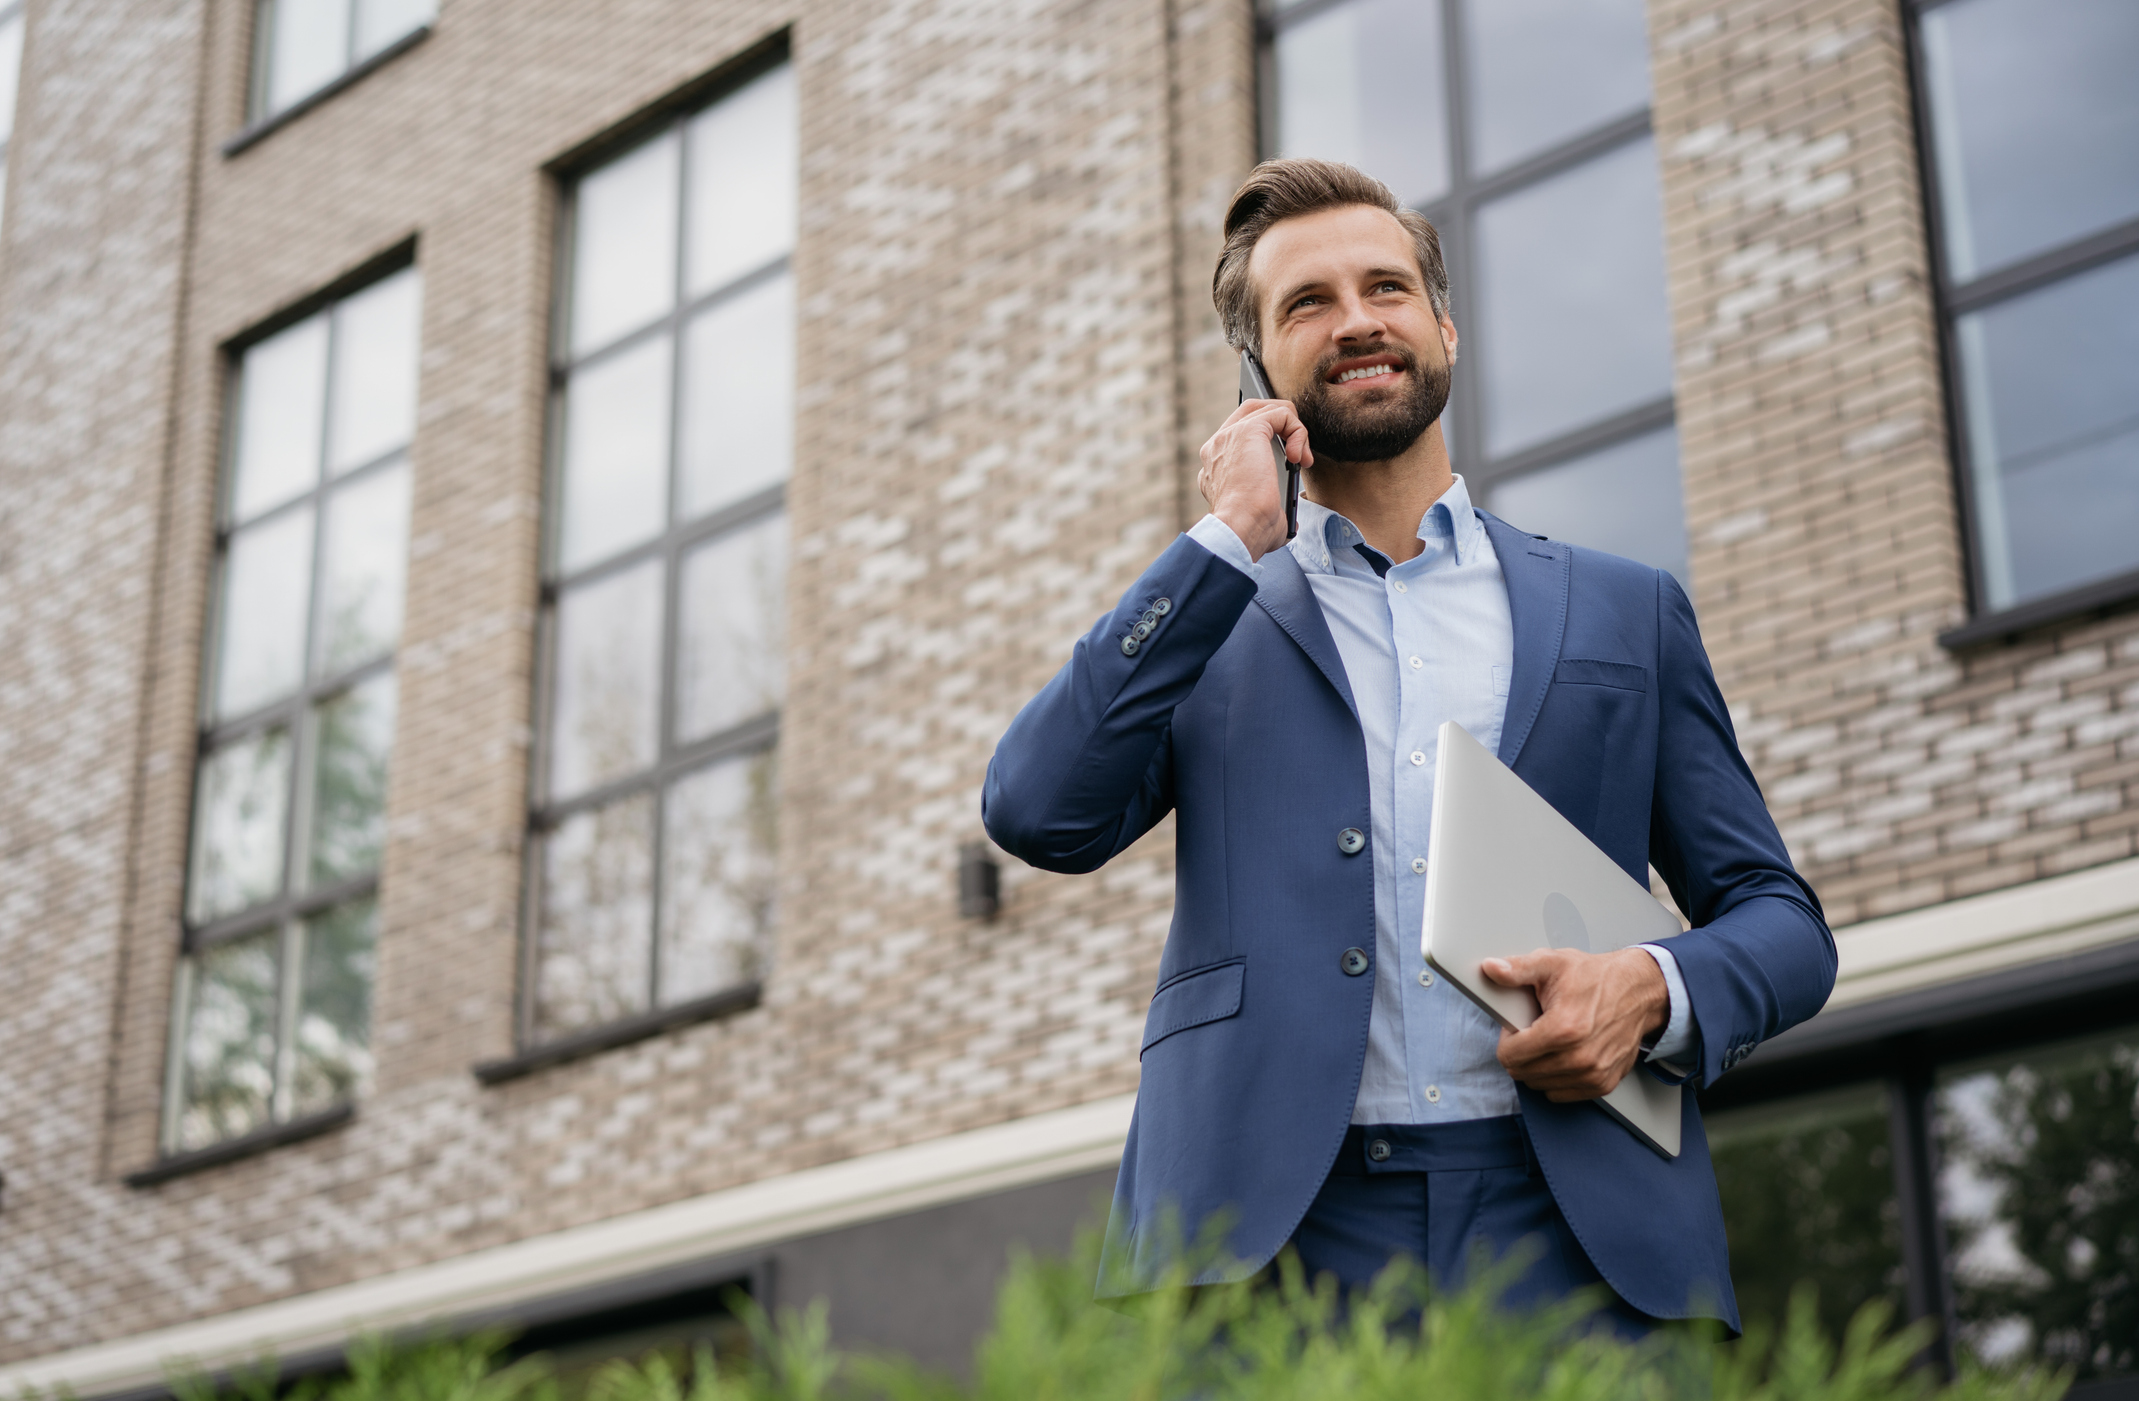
{"type": "Point", "coordinates": [1808, 1199]}
{"type": "Point", "coordinates": [308, 45]}
{"type": "Point", "coordinates": [267, 581]}
{"type": "Point", "coordinates": [228, 1085]}
{"type": "Point", "coordinates": [2035, 123]}
{"type": "Point", "coordinates": [2053, 428]}
{"type": "Point", "coordinates": [367, 560]}
{"type": "Point", "coordinates": [331, 1050]}
{"type": "Point", "coordinates": [616, 453]}
{"type": "Point", "coordinates": [596, 944]}
{"type": "Point", "coordinates": [717, 877]}
{"type": "Point", "coordinates": [743, 170]}
{"type": "Point", "coordinates": [624, 244]}
{"type": "Point", "coordinates": [1574, 325]}
{"type": "Point", "coordinates": [355, 736]}
{"type": "Point", "coordinates": [281, 397]}
{"type": "Point", "coordinates": [1362, 84]}
{"type": "Point", "coordinates": [374, 398]}
{"type": "Point", "coordinates": [1624, 500]}
{"type": "Point", "coordinates": [608, 679]}
{"type": "Point", "coordinates": [240, 812]}
{"type": "Point", "coordinates": [732, 664]}
{"type": "Point", "coordinates": [2039, 1190]}
{"type": "Point", "coordinates": [739, 397]}
{"type": "Point", "coordinates": [1542, 71]}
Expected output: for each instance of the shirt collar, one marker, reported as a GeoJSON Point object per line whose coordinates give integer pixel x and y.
{"type": "Point", "coordinates": [1451, 519]}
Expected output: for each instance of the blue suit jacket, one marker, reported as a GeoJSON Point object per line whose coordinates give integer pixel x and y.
{"type": "Point", "coordinates": [1236, 714]}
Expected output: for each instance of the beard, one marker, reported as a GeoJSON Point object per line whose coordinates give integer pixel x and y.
{"type": "Point", "coordinates": [1388, 421]}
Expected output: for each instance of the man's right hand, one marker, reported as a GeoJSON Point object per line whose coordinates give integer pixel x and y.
{"type": "Point", "coordinates": [1238, 478]}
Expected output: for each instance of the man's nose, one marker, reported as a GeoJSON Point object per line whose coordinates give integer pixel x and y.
{"type": "Point", "coordinates": [1358, 320]}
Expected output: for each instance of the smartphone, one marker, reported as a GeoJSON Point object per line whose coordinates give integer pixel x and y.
{"type": "Point", "coordinates": [1254, 384]}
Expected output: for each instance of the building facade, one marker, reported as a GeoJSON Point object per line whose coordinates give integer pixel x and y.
{"type": "Point", "coordinates": [521, 524]}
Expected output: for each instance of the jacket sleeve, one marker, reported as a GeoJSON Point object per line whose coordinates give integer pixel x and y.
{"type": "Point", "coordinates": [1759, 958]}
{"type": "Point", "coordinates": [1086, 767]}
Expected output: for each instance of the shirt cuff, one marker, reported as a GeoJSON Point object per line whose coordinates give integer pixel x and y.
{"type": "Point", "coordinates": [1216, 536]}
{"type": "Point", "coordinates": [1677, 1038]}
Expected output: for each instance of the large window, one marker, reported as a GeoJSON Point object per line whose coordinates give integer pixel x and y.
{"type": "Point", "coordinates": [10, 74]}
{"type": "Point", "coordinates": [665, 601]}
{"type": "Point", "coordinates": [1521, 128]}
{"type": "Point", "coordinates": [2033, 159]}
{"type": "Point", "coordinates": [301, 46]}
{"type": "Point", "coordinates": [272, 1019]}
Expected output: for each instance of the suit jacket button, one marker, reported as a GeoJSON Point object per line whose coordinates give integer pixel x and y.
{"type": "Point", "coordinates": [1129, 646]}
{"type": "Point", "coordinates": [1162, 606]}
{"type": "Point", "coordinates": [1379, 1150]}
{"type": "Point", "coordinates": [1351, 841]}
{"type": "Point", "coordinates": [1353, 963]}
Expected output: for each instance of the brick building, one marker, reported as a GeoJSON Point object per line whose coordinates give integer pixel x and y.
{"type": "Point", "coordinates": [521, 523]}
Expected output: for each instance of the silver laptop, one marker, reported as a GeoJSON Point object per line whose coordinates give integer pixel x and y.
{"type": "Point", "coordinates": [1507, 875]}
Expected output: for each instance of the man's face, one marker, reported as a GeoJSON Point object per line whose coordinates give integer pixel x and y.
{"type": "Point", "coordinates": [1349, 334]}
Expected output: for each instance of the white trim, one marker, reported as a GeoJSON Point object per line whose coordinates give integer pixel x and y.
{"type": "Point", "coordinates": [1987, 933]}
{"type": "Point", "coordinates": [876, 1185]}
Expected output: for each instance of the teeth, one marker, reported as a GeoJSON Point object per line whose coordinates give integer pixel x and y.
{"type": "Point", "coordinates": [1365, 372]}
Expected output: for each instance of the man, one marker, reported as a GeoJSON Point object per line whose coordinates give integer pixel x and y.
{"type": "Point", "coordinates": [1283, 701]}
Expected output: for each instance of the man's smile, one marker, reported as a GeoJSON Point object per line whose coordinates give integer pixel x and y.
{"type": "Point", "coordinates": [1377, 367]}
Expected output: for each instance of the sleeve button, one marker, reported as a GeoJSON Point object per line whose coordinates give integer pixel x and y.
{"type": "Point", "coordinates": [1162, 607]}
{"type": "Point", "coordinates": [1129, 646]}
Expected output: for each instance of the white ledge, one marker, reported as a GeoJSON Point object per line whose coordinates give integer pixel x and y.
{"type": "Point", "coordinates": [876, 1185]}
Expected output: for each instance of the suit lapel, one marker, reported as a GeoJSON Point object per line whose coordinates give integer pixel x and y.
{"type": "Point", "coordinates": [1537, 575]}
{"type": "Point", "coordinates": [1288, 598]}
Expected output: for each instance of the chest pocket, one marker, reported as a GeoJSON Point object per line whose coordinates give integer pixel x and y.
{"type": "Point", "coordinates": [1620, 676]}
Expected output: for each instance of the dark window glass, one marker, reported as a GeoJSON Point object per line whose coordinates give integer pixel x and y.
{"type": "Point", "coordinates": [1623, 499]}
{"type": "Point", "coordinates": [1542, 71]}
{"type": "Point", "coordinates": [2039, 1190]}
{"type": "Point", "coordinates": [1362, 83]}
{"type": "Point", "coordinates": [1809, 1202]}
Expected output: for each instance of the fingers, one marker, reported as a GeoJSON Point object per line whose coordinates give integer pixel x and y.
{"type": "Point", "coordinates": [1274, 418]}
{"type": "Point", "coordinates": [1238, 478]}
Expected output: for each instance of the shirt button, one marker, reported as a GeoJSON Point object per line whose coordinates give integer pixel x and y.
{"type": "Point", "coordinates": [1399, 587]}
{"type": "Point", "coordinates": [1418, 756]}
{"type": "Point", "coordinates": [1433, 1094]}
{"type": "Point", "coordinates": [1418, 865]}
{"type": "Point", "coordinates": [1425, 977]}
{"type": "Point", "coordinates": [1353, 963]}
{"type": "Point", "coordinates": [1379, 1150]}
{"type": "Point", "coordinates": [1416, 663]}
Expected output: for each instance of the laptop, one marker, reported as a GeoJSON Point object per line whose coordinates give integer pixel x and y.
{"type": "Point", "coordinates": [1507, 875]}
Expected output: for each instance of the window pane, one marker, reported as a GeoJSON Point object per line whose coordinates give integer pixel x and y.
{"type": "Point", "coordinates": [742, 181]}
{"type": "Point", "coordinates": [375, 371]}
{"type": "Point", "coordinates": [2053, 431]}
{"type": "Point", "coordinates": [267, 581]}
{"type": "Point", "coordinates": [1574, 324]}
{"type": "Point", "coordinates": [624, 245]}
{"type": "Point", "coordinates": [1362, 84]}
{"type": "Point", "coordinates": [594, 959]}
{"type": "Point", "coordinates": [309, 47]}
{"type": "Point", "coordinates": [367, 561]}
{"type": "Point", "coordinates": [1624, 500]}
{"type": "Point", "coordinates": [733, 665]}
{"type": "Point", "coordinates": [239, 817]}
{"type": "Point", "coordinates": [739, 397]}
{"type": "Point", "coordinates": [607, 695]}
{"type": "Point", "coordinates": [1808, 1197]}
{"type": "Point", "coordinates": [331, 1063]}
{"type": "Point", "coordinates": [10, 64]}
{"type": "Point", "coordinates": [2035, 119]}
{"type": "Point", "coordinates": [2039, 1190]}
{"type": "Point", "coordinates": [616, 453]}
{"type": "Point", "coordinates": [229, 1071]}
{"type": "Point", "coordinates": [281, 396]}
{"type": "Point", "coordinates": [356, 734]}
{"type": "Point", "coordinates": [380, 22]}
{"type": "Point", "coordinates": [1542, 71]}
{"type": "Point", "coordinates": [717, 890]}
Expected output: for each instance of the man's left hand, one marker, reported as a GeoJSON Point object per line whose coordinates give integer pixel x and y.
{"type": "Point", "coordinates": [1597, 1010]}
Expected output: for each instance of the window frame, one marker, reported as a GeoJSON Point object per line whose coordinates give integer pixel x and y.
{"type": "Point", "coordinates": [1954, 298]}
{"type": "Point", "coordinates": [1453, 214]}
{"type": "Point", "coordinates": [258, 119]}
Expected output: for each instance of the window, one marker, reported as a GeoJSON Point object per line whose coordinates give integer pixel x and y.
{"type": "Point", "coordinates": [273, 1000]}
{"type": "Point", "coordinates": [665, 591]}
{"type": "Point", "coordinates": [2033, 162]}
{"type": "Point", "coordinates": [10, 73]}
{"type": "Point", "coordinates": [1521, 128]}
{"type": "Point", "coordinates": [301, 46]}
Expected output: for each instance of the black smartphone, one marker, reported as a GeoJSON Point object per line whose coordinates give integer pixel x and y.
{"type": "Point", "coordinates": [1254, 384]}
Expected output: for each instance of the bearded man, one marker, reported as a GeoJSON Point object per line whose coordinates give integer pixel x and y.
{"type": "Point", "coordinates": [1307, 1079]}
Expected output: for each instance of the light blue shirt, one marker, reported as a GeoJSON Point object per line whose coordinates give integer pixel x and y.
{"type": "Point", "coordinates": [1427, 641]}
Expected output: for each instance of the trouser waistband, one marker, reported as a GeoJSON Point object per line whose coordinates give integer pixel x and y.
{"type": "Point", "coordinates": [1468, 1146]}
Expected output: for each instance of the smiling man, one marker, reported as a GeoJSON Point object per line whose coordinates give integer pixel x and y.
{"type": "Point", "coordinates": [1307, 1079]}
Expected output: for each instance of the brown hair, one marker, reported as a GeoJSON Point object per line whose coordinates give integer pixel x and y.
{"type": "Point", "coordinates": [1286, 189]}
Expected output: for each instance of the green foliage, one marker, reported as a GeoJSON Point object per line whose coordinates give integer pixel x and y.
{"type": "Point", "coordinates": [1280, 1339]}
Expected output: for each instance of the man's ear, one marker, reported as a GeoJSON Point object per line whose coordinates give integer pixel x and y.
{"type": "Point", "coordinates": [1448, 337]}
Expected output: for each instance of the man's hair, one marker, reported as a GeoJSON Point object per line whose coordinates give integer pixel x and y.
{"type": "Point", "coordinates": [1286, 189]}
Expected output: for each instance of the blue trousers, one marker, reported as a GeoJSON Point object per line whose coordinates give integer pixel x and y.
{"type": "Point", "coordinates": [1439, 1193]}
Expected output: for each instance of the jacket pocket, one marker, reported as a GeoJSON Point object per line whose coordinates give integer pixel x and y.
{"type": "Point", "coordinates": [1204, 995]}
{"type": "Point", "coordinates": [1580, 671]}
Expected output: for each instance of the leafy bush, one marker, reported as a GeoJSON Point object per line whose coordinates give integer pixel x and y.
{"type": "Point", "coordinates": [1281, 1341]}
